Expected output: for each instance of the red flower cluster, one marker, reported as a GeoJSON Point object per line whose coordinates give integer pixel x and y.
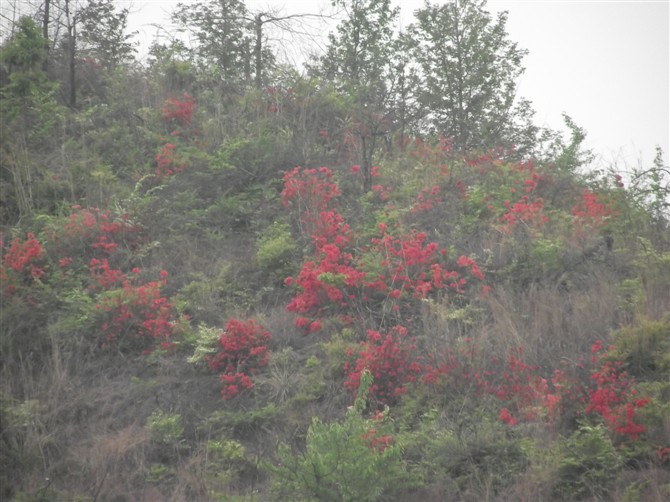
{"type": "Point", "coordinates": [22, 262]}
{"type": "Point", "coordinates": [391, 359]}
{"type": "Point", "coordinates": [613, 399]}
{"type": "Point", "coordinates": [243, 351]}
{"type": "Point", "coordinates": [134, 316]}
{"type": "Point", "coordinates": [97, 231]}
{"type": "Point", "coordinates": [104, 276]}
{"type": "Point", "coordinates": [377, 443]}
{"type": "Point", "coordinates": [507, 417]}
{"type": "Point", "coordinates": [427, 199]}
{"type": "Point", "coordinates": [311, 191]}
{"type": "Point", "coordinates": [410, 264]}
{"type": "Point", "coordinates": [167, 162]}
{"type": "Point", "coordinates": [526, 211]}
{"type": "Point", "coordinates": [346, 280]}
{"type": "Point", "coordinates": [609, 393]}
{"type": "Point", "coordinates": [179, 110]}
{"type": "Point", "coordinates": [591, 212]}
{"type": "Point", "coordinates": [234, 383]}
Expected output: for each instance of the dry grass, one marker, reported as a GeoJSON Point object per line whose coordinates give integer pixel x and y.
{"type": "Point", "coordinates": [551, 321]}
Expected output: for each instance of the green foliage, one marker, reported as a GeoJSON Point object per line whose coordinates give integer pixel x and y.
{"type": "Point", "coordinates": [205, 341]}
{"type": "Point", "coordinates": [353, 460]}
{"type": "Point", "coordinates": [644, 349]}
{"type": "Point", "coordinates": [197, 194]}
{"type": "Point", "coordinates": [167, 437]}
{"type": "Point", "coordinates": [359, 60]}
{"type": "Point", "coordinates": [159, 474]}
{"type": "Point", "coordinates": [470, 69]}
{"type": "Point", "coordinates": [165, 429]}
{"type": "Point", "coordinates": [276, 249]}
{"type": "Point", "coordinates": [223, 37]}
{"type": "Point", "coordinates": [104, 34]}
{"type": "Point", "coordinates": [589, 464]}
{"type": "Point", "coordinates": [210, 300]}
{"type": "Point", "coordinates": [242, 422]}
{"type": "Point", "coordinates": [225, 463]}
{"type": "Point", "coordinates": [650, 190]}
{"type": "Point", "coordinates": [30, 113]}
{"type": "Point", "coordinates": [470, 457]}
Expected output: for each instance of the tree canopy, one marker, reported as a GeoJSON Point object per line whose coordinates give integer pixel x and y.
{"type": "Point", "coordinates": [469, 75]}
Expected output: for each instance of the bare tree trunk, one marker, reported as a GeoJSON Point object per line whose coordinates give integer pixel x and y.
{"type": "Point", "coordinates": [72, 52]}
{"type": "Point", "coordinates": [45, 34]}
{"type": "Point", "coordinates": [258, 50]}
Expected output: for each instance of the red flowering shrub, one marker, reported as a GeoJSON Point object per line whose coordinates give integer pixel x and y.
{"type": "Point", "coordinates": [606, 391]}
{"type": "Point", "coordinates": [610, 394]}
{"type": "Point", "coordinates": [134, 316]}
{"type": "Point", "coordinates": [22, 264]}
{"type": "Point", "coordinates": [91, 232]}
{"type": "Point", "coordinates": [342, 279]}
{"type": "Point", "coordinates": [167, 162]}
{"type": "Point", "coordinates": [526, 212]}
{"type": "Point", "coordinates": [243, 351]}
{"type": "Point", "coordinates": [427, 199]}
{"type": "Point", "coordinates": [392, 361]}
{"type": "Point", "coordinates": [507, 417]}
{"type": "Point", "coordinates": [234, 383]}
{"type": "Point", "coordinates": [591, 212]}
{"type": "Point", "coordinates": [179, 110]}
{"type": "Point", "coordinates": [312, 193]}
{"type": "Point", "coordinates": [613, 398]}
{"type": "Point", "coordinates": [376, 442]}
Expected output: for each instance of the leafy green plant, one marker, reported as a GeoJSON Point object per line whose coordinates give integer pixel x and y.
{"type": "Point", "coordinates": [468, 455]}
{"type": "Point", "coordinates": [167, 434]}
{"type": "Point", "coordinates": [644, 349]}
{"type": "Point", "coordinates": [357, 459]}
{"type": "Point", "coordinates": [276, 247]}
{"type": "Point", "coordinates": [589, 464]}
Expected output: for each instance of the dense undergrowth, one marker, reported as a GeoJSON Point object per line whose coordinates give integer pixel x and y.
{"type": "Point", "coordinates": [202, 303]}
{"type": "Point", "coordinates": [505, 325]}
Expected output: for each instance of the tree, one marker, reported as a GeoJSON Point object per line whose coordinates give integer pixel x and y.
{"type": "Point", "coordinates": [223, 35]}
{"type": "Point", "coordinates": [359, 62]}
{"type": "Point", "coordinates": [103, 34]}
{"type": "Point", "coordinates": [71, 21]}
{"type": "Point", "coordinates": [29, 112]}
{"type": "Point", "coordinates": [469, 71]}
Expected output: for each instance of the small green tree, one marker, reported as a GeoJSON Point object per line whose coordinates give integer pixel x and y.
{"type": "Point", "coordinates": [469, 70]}
{"type": "Point", "coordinates": [589, 465]}
{"type": "Point", "coordinates": [103, 34]}
{"type": "Point", "coordinates": [355, 460]}
{"type": "Point", "coordinates": [224, 38]}
{"type": "Point", "coordinates": [29, 114]}
{"type": "Point", "coordinates": [359, 60]}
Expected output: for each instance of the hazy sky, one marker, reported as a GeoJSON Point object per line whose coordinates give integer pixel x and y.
{"type": "Point", "coordinates": [606, 63]}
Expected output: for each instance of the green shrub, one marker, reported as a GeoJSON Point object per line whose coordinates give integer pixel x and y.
{"type": "Point", "coordinates": [166, 431]}
{"type": "Point", "coordinates": [276, 247]}
{"type": "Point", "coordinates": [226, 461]}
{"type": "Point", "coordinates": [589, 464]}
{"type": "Point", "coordinates": [644, 349]}
{"type": "Point", "coordinates": [241, 422]}
{"type": "Point", "coordinates": [353, 460]}
{"type": "Point", "coordinates": [470, 457]}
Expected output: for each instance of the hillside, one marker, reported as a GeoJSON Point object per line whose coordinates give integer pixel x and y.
{"type": "Point", "coordinates": [305, 290]}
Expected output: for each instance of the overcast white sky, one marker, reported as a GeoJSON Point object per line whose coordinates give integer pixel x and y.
{"type": "Point", "coordinates": [606, 63]}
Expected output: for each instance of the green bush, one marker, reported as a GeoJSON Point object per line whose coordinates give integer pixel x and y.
{"type": "Point", "coordinates": [166, 431]}
{"type": "Point", "coordinates": [470, 457]}
{"type": "Point", "coordinates": [353, 460]}
{"type": "Point", "coordinates": [276, 248]}
{"type": "Point", "coordinates": [644, 349]}
{"type": "Point", "coordinates": [589, 464]}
